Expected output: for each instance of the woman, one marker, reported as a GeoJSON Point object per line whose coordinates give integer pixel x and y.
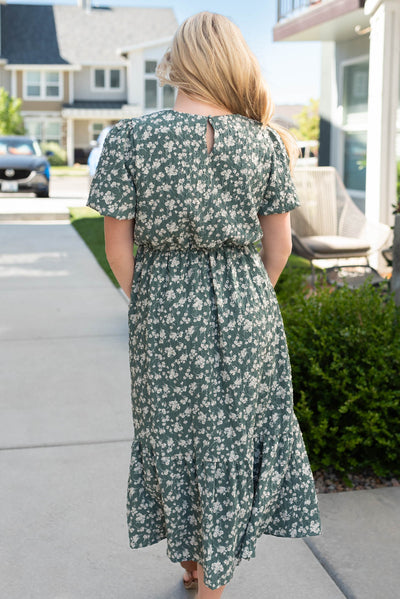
{"type": "Point", "coordinates": [218, 458]}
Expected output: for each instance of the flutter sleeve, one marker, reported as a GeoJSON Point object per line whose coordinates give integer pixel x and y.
{"type": "Point", "coordinates": [280, 194]}
{"type": "Point", "coordinates": [112, 190]}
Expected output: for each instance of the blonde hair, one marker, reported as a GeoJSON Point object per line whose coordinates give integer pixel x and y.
{"type": "Point", "coordinates": [209, 60]}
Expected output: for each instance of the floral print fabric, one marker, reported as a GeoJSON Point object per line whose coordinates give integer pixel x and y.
{"type": "Point", "coordinates": [217, 458]}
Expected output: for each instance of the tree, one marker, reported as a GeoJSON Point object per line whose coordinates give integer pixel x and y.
{"type": "Point", "coordinates": [11, 121]}
{"type": "Point", "coordinates": [307, 122]}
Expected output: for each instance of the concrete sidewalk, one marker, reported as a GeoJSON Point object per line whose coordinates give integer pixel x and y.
{"type": "Point", "coordinates": [66, 431]}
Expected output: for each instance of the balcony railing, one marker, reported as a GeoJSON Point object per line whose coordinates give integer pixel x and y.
{"type": "Point", "coordinates": [288, 8]}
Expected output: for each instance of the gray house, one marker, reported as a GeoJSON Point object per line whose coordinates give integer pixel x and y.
{"type": "Point", "coordinates": [360, 86]}
{"type": "Point", "coordinates": [81, 68]}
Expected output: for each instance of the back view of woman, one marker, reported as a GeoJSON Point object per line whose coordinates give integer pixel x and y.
{"type": "Point", "coordinates": [218, 458]}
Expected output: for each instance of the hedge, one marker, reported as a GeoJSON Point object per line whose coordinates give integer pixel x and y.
{"type": "Point", "coordinates": [344, 348]}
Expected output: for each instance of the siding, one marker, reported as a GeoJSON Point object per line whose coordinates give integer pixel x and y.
{"type": "Point", "coordinates": [82, 89]}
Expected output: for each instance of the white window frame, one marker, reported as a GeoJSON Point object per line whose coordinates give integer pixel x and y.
{"type": "Point", "coordinates": [42, 97]}
{"type": "Point", "coordinates": [107, 79]}
{"type": "Point", "coordinates": [42, 123]}
{"type": "Point", "coordinates": [91, 128]}
{"type": "Point", "coordinates": [348, 128]}
{"type": "Point", "coordinates": [160, 90]}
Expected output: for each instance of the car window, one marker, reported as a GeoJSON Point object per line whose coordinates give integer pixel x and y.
{"type": "Point", "coordinates": [15, 147]}
{"type": "Point", "coordinates": [20, 148]}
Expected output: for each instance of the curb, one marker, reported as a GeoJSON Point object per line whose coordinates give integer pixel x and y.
{"type": "Point", "coordinates": [27, 216]}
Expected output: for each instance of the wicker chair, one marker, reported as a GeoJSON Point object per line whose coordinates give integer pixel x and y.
{"type": "Point", "coordinates": [328, 224]}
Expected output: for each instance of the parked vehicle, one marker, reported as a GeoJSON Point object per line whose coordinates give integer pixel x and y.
{"type": "Point", "coordinates": [23, 167]}
{"type": "Point", "coordinates": [94, 155]}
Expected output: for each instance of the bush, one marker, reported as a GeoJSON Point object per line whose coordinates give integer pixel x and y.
{"type": "Point", "coordinates": [294, 279]}
{"type": "Point", "coordinates": [345, 353]}
{"type": "Point", "coordinates": [59, 157]}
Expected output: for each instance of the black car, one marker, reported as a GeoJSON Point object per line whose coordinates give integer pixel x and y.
{"type": "Point", "coordinates": [23, 167]}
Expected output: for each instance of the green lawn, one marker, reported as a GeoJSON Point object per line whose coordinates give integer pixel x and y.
{"type": "Point", "coordinates": [89, 225]}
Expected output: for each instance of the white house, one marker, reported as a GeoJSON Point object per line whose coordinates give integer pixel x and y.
{"type": "Point", "coordinates": [360, 85]}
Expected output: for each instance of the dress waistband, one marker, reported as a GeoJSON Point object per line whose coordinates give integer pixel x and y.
{"type": "Point", "coordinates": [247, 248]}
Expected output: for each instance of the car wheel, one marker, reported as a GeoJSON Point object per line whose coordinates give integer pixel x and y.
{"type": "Point", "coordinates": [42, 194]}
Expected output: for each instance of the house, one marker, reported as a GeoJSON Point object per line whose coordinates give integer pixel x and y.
{"type": "Point", "coordinates": [80, 68]}
{"type": "Point", "coordinates": [285, 114]}
{"type": "Point", "coordinates": [359, 104]}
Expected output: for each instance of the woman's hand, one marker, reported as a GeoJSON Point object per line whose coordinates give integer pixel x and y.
{"type": "Point", "coordinates": [276, 243]}
{"type": "Point", "coordinates": [119, 237]}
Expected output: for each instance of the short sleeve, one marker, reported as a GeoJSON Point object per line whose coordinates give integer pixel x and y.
{"type": "Point", "coordinates": [280, 194]}
{"type": "Point", "coordinates": [112, 191]}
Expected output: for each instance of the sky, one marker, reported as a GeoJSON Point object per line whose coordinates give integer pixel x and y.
{"type": "Point", "coordinates": [291, 69]}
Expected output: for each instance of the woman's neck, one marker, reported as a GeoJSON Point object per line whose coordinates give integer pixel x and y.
{"type": "Point", "coordinates": [184, 103]}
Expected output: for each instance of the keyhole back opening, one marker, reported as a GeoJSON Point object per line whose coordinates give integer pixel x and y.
{"type": "Point", "coordinates": [210, 135]}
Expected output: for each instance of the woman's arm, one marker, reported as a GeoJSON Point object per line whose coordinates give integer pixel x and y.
{"type": "Point", "coordinates": [119, 237]}
{"type": "Point", "coordinates": [276, 243]}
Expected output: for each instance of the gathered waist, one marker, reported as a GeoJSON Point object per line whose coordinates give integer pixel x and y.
{"type": "Point", "coordinates": [249, 248]}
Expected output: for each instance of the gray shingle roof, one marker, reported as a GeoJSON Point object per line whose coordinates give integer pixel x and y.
{"type": "Point", "coordinates": [43, 34]}
{"type": "Point", "coordinates": [28, 34]}
{"type": "Point", "coordinates": [95, 104]}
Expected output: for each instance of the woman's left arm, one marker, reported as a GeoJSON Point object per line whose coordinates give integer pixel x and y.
{"type": "Point", "coordinates": [119, 239]}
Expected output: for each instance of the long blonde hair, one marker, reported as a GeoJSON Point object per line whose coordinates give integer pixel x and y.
{"type": "Point", "coordinates": [209, 60]}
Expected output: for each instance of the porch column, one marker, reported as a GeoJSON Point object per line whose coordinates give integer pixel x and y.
{"type": "Point", "coordinates": [383, 99]}
{"type": "Point", "coordinates": [70, 142]}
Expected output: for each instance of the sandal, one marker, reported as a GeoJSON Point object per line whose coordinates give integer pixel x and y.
{"type": "Point", "coordinates": [192, 582]}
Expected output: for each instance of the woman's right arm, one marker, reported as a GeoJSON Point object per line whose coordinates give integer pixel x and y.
{"type": "Point", "coordinates": [276, 243]}
{"type": "Point", "coordinates": [119, 240]}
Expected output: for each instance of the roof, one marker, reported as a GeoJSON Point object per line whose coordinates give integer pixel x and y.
{"type": "Point", "coordinates": [95, 104]}
{"type": "Point", "coordinates": [41, 34]}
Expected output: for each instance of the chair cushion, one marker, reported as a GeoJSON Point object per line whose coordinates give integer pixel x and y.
{"type": "Point", "coordinates": [328, 244]}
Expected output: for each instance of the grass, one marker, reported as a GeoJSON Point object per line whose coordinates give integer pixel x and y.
{"type": "Point", "coordinates": [80, 170]}
{"type": "Point", "coordinates": [89, 224]}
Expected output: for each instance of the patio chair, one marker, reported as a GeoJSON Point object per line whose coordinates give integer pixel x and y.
{"type": "Point", "coordinates": [328, 224]}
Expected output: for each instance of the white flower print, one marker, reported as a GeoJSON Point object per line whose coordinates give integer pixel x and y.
{"type": "Point", "coordinates": [217, 458]}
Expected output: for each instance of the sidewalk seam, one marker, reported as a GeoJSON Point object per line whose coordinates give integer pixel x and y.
{"type": "Point", "coordinates": [342, 586]}
{"type": "Point", "coordinates": [25, 339]}
{"type": "Point", "coordinates": [66, 444]}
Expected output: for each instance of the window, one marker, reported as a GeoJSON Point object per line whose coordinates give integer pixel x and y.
{"type": "Point", "coordinates": [107, 79]}
{"type": "Point", "coordinates": [354, 96]}
{"type": "Point", "coordinates": [33, 128]}
{"type": "Point", "coordinates": [33, 83]}
{"type": "Point", "coordinates": [156, 96]}
{"type": "Point", "coordinates": [168, 96]}
{"type": "Point", "coordinates": [44, 130]}
{"type": "Point", "coordinates": [99, 78]}
{"type": "Point", "coordinates": [42, 85]}
{"type": "Point", "coordinates": [115, 78]}
{"type": "Point", "coordinates": [52, 84]}
{"type": "Point", "coordinates": [355, 149]}
{"type": "Point", "coordinates": [150, 66]}
{"type": "Point", "coordinates": [355, 91]}
{"type": "Point", "coordinates": [96, 129]}
{"type": "Point", "coordinates": [52, 131]}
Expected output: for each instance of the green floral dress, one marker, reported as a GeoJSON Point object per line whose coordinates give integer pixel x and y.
{"type": "Point", "coordinates": [217, 458]}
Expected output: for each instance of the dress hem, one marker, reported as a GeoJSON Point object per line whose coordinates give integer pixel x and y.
{"type": "Point", "coordinates": [238, 558]}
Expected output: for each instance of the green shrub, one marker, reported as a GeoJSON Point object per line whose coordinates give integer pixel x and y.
{"type": "Point", "coordinates": [59, 157]}
{"type": "Point", "coordinates": [294, 279]}
{"type": "Point", "coordinates": [345, 353]}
